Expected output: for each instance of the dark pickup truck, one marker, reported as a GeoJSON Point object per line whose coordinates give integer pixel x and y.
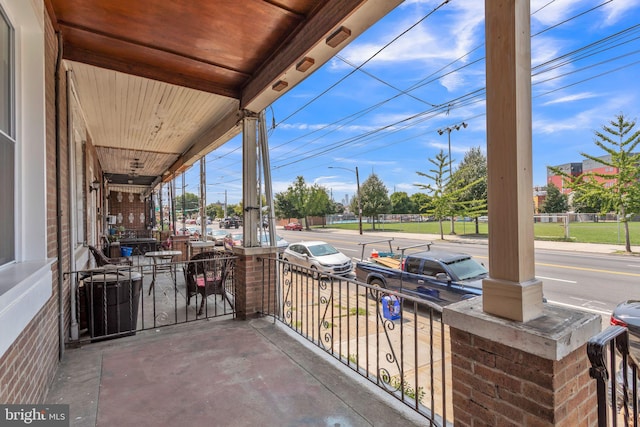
{"type": "Point", "coordinates": [229, 223]}
{"type": "Point", "coordinates": [438, 276]}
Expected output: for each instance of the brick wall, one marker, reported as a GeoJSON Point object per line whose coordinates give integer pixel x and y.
{"type": "Point", "coordinates": [130, 204]}
{"type": "Point", "coordinates": [29, 365]}
{"type": "Point", "coordinates": [499, 385]}
{"type": "Point", "coordinates": [252, 270]}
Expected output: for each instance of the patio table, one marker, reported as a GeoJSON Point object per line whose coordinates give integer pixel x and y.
{"type": "Point", "coordinates": [163, 261]}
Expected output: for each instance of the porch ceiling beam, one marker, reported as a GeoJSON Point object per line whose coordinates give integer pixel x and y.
{"type": "Point", "coordinates": [206, 142]}
{"type": "Point", "coordinates": [106, 51]}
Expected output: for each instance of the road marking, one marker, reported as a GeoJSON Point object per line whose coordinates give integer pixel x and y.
{"type": "Point", "coordinates": [347, 250]}
{"type": "Point", "coordinates": [579, 307]}
{"type": "Point", "coordinates": [595, 270]}
{"type": "Point", "coordinates": [557, 280]}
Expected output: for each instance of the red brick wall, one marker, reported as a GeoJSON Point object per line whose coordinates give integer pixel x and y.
{"type": "Point", "coordinates": [495, 384]}
{"type": "Point", "coordinates": [251, 297]}
{"type": "Point", "coordinates": [29, 365]}
{"type": "Point", "coordinates": [125, 207]}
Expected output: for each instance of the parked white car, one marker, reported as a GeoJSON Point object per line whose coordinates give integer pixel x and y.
{"type": "Point", "coordinates": [319, 257]}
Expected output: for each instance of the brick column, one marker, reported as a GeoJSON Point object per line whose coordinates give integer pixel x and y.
{"type": "Point", "coordinates": [521, 374]}
{"type": "Point", "coordinates": [255, 281]}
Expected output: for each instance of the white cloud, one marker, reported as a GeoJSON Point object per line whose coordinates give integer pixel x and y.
{"type": "Point", "coordinates": [616, 10]}
{"type": "Point", "coordinates": [551, 13]}
{"type": "Point", "coordinates": [572, 98]}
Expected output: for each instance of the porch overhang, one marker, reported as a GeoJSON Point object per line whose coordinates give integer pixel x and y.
{"type": "Point", "coordinates": [162, 84]}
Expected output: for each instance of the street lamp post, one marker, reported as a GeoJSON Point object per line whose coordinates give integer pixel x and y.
{"type": "Point", "coordinates": [448, 130]}
{"type": "Point", "coordinates": [358, 192]}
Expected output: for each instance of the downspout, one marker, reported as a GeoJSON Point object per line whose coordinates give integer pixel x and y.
{"type": "Point", "coordinates": [59, 200]}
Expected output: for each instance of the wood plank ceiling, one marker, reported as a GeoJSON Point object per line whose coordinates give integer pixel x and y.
{"type": "Point", "coordinates": [161, 83]}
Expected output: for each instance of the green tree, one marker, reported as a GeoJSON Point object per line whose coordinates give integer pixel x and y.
{"type": "Point", "coordinates": [472, 174]}
{"type": "Point", "coordinates": [445, 195]}
{"type": "Point", "coordinates": [214, 210]}
{"type": "Point", "coordinates": [374, 198]}
{"type": "Point", "coordinates": [585, 203]}
{"type": "Point", "coordinates": [284, 207]}
{"type": "Point", "coordinates": [191, 204]}
{"type": "Point", "coordinates": [302, 200]}
{"type": "Point", "coordinates": [401, 203]}
{"type": "Point", "coordinates": [618, 189]}
{"type": "Point", "coordinates": [555, 202]}
{"type": "Point", "coordinates": [421, 201]}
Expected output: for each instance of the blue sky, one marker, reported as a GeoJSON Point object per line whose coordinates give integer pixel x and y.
{"type": "Point", "coordinates": [379, 103]}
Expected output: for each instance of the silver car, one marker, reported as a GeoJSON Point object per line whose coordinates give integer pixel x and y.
{"type": "Point", "coordinates": [319, 257]}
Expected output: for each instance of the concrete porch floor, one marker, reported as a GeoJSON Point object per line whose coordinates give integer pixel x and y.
{"type": "Point", "coordinates": [222, 372]}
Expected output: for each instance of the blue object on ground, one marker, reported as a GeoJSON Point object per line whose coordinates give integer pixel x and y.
{"type": "Point", "coordinates": [390, 307]}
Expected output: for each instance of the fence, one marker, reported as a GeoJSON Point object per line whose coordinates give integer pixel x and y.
{"type": "Point", "coordinates": [395, 341]}
{"type": "Point", "coordinates": [120, 300]}
{"type": "Point", "coordinates": [617, 383]}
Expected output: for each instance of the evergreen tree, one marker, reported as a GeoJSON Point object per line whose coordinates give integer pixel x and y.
{"type": "Point", "coordinates": [445, 194]}
{"type": "Point", "coordinates": [619, 188]}
{"type": "Point", "coordinates": [555, 202]}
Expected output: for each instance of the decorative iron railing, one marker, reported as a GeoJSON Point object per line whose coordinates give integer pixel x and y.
{"type": "Point", "coordinates": [119, 300]}
{"type": "Point", "coordinates": [395, 341]}
{"type": "Point", "coordinates": [616, 373]}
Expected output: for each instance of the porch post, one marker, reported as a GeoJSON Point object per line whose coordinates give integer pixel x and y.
{"type": "Point", "coordinates": [515, 360]}
{"type": "Point", "coordinates": [512, 290]}
{"type": "Point", "coordinates": [250, 180]}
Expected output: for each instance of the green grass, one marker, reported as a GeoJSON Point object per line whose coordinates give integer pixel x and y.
{"type": "Point", "coordinates": [585, 232]}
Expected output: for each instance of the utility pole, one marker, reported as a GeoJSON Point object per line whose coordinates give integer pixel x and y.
{"type": "Point", "coordinates": [448, 130]}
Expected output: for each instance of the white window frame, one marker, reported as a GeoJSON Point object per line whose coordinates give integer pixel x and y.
{"type": "Point", "coordinates": [25, 285]}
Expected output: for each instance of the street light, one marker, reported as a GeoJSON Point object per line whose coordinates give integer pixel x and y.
{"type": "Point", "coordinates": [448, 130]}
{"type": "Point", "coordinates": [358, 189]}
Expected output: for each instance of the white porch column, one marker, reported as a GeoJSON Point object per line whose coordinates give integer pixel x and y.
{"type": "Point", "coordinates": [250, 180]}
{"type": "Point", "coordinates": [512, 290]}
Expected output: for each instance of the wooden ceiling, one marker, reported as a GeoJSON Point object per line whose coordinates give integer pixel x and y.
{"type": "Point", "coordinates": [167, 80]}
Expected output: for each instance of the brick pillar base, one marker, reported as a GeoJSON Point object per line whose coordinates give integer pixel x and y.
{"type": "Point", "coordinates": [255, 276]}
{"type": "Point", "coordinates": [521, 374]}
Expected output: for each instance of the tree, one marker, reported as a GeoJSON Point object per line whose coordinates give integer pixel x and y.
{"type": "Point", "coordinates": [421, 201]}
{"type": "Point", "coordinates": [585, 203]}
{"type": "Point", "coordinates": [619, 187]}
{"type": "Point", "coordinates": [472, 174]}
{"type": "Point", "coordinates": [214, 210]}
{"type": "Point", "coordinates": [555, 202]}
{"type": "Point", "coordinates": [445, 196]}
{"type": "Point", "coordinates": [301, 201]}
{"type": "Point", "coordinates": [401, 203]}
{"type": "Point", "coordinates": [191, 204]}
{"type": "Point", "coordinates": [374, 198]}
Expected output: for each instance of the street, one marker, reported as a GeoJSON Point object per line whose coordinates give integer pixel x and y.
{"type": "Point", "coordinates": [589, 281]}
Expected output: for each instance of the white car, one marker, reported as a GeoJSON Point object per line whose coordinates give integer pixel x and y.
{"type": "Point", "coordinates": [216, 236]}
{"type": "Point", "coordinates": [319, 257]}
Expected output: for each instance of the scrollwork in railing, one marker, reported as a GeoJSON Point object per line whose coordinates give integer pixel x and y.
{"type": "Point", "coordinates": [327, 341]}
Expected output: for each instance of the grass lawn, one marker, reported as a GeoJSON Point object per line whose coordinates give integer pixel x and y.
{"type": "Point", "coordinates": [586, 232]}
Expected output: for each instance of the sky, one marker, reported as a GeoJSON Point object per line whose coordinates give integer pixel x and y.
{"type": "Point", "coordinates": [379, 103]}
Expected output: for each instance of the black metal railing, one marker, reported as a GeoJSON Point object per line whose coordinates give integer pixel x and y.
{"type": "Point", "coordinates": [395, 341]}
{"type": "Point", "coordinates": [616, 373]}
{"type": "Point", "coordinates": [119, 300]}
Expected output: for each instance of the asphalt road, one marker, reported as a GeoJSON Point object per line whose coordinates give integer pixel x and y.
{"type": "Point", "coordinates": [589, 281]}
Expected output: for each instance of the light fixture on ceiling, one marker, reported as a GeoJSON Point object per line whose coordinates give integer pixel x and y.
{"type": "Point", "coordinates": [94, 186]}
{"type": "Point", "coordinates": [338, 36]}
{"type": "Point", "coordinates": [305, 63]}
{"type": "Point", "coordinates": [279, 85]}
